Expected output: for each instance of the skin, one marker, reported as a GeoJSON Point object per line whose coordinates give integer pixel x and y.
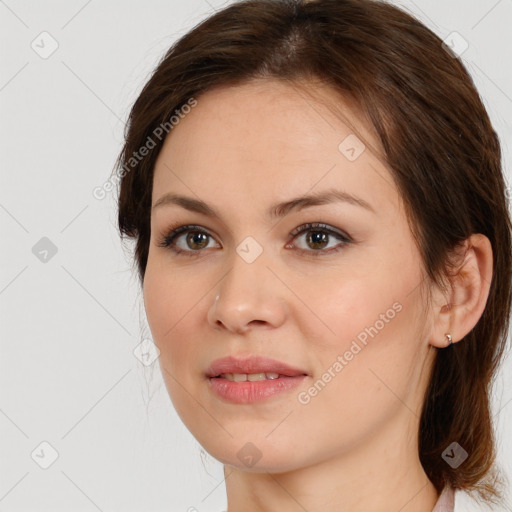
{"type": "Point", "coordinates": [353, 446]}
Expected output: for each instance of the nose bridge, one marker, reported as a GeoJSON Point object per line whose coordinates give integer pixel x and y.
{"type": "Point", "coordinates": [249, 291]}
{"type": "Point", "coordinates": [247, 280]}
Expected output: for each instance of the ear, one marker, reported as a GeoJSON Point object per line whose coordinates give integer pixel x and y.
{"type": "Point", "coordinates": [457, 311]}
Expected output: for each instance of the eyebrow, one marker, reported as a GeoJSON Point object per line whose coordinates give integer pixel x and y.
{"type": "Point", "coordinates": [276, 210]}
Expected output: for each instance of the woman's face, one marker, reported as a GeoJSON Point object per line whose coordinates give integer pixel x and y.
{"type": "Point", "coordinates": [348, 314]}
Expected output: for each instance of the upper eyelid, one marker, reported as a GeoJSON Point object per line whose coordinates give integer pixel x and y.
{"type": "Point", "coordinates": [298, 231]}
{"type": "Point", "coordinates": [310, 226]}
{"type": "Point", "coordinates": [168, 239]}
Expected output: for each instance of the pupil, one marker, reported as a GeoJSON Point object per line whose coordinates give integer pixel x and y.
{"type": "Point", "coordinates": [320, 238]}
{"type": "Point", "coordinates": [194, 239]}
{"type": "Point", "coordinates": [317, 238]}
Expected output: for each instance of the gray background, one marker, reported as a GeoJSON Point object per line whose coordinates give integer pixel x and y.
{"type": "Point", "coordinates": [70, 324]}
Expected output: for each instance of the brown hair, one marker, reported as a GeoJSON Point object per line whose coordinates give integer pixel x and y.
{"type": "Point", "coordinates": [438, 141]}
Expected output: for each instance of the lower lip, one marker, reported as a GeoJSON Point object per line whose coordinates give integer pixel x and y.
{"type": "Point", "coordinates": [248, 392]}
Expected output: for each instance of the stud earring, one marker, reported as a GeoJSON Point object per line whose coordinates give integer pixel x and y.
{"type": "Point", "coordinates": [449, 338]}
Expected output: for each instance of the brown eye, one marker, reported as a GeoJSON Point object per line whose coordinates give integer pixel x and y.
{"type": "Point", "coordinates": [317, 238]}
{"type": "Point", "coordinates": [197, 240]}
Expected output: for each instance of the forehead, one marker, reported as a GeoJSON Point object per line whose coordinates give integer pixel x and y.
{"type": "Point", "coordinates": [272, 113]}
{"type": "Point", "coordinates": [268, 136]}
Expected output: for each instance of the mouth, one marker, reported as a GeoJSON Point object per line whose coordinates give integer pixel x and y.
{"type": "Point", "coordinates": [253, 379]}
{"type": "Point", "coordinates": [253, 368]}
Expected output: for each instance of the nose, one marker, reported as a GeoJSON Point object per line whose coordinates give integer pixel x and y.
{"type": "Point", "coordinates": [249, 296]}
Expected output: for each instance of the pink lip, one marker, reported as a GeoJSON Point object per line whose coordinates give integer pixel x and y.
{"type": "Point", "coordinates": [249, 392]}
{"type": "Point", "coordinates": [252, 364]}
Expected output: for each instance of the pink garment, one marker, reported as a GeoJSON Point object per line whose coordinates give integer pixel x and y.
{"type": "Point", "coordinates": [446, 501]}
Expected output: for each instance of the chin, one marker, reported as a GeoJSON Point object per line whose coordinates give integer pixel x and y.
{"type": "Point", "coordinates": [256, 457]}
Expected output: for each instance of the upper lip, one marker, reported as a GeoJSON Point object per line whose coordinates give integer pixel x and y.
{"type": "Point", "coordinates": [252, 364]}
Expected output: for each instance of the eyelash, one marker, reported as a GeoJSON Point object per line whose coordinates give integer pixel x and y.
{"type": "Point", "coordinates": [168, 240]}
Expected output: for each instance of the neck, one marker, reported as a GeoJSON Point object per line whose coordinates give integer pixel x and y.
{"type": "Point", "coordinates": [382, 475]}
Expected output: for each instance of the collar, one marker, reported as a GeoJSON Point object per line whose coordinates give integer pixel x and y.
{"type": "Point", "coordinates": [446, 500]}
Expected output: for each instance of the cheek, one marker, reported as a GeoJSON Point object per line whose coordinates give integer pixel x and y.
{"type": "Point", "coordinates": [369, 329]}
{"type": "Point", "coordinates": [168, 299]}
{"type": "Point", "coordinates": [173, 319]}
{"type": "Point", "coordinates": [377, 353]}
{"type": "Point", "coordinates": [363, 306]}
{"type": "Point", "coordinates": [170, 309]}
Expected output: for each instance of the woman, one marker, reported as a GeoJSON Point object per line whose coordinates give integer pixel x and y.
{"type": "Point", "coordinates": [323, 242]}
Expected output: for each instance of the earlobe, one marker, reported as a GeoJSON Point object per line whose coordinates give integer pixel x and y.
{"type": "Point", "coordinates": [470, 287]}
